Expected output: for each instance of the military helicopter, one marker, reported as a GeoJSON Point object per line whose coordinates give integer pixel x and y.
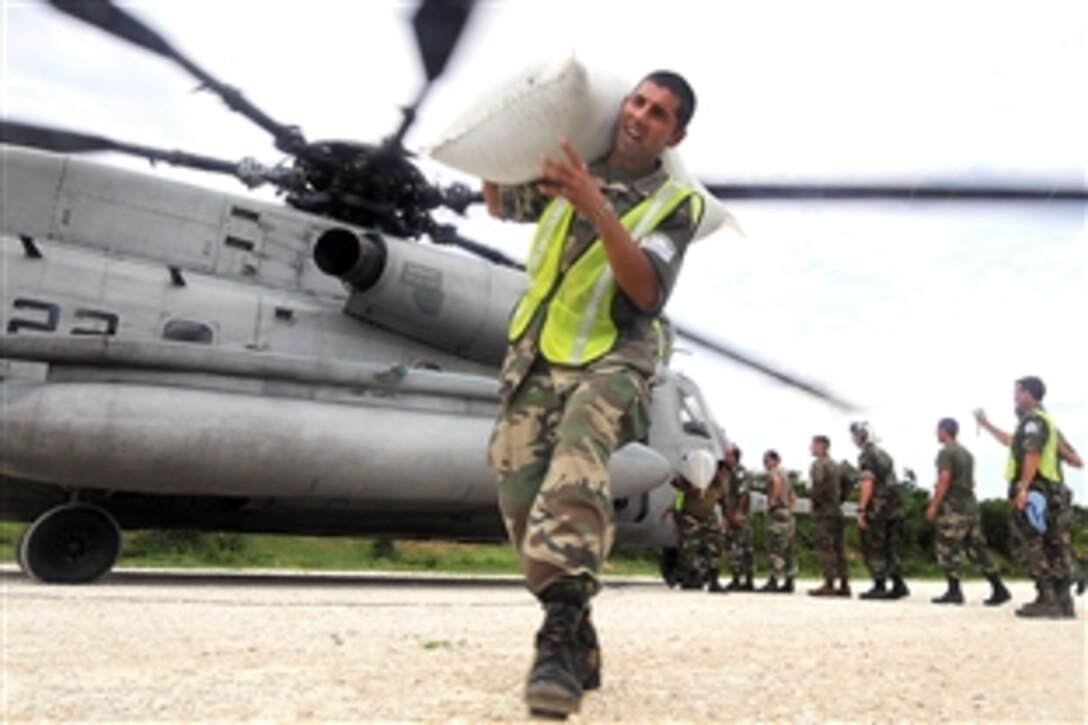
{"type": "Point", "coordinates": [179, 357]}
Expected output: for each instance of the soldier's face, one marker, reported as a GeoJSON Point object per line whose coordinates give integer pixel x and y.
{"type": "Point", "coordinates": [817, 448]}
{"type": "Point", "coordinates": [647, 125]}
{"type": "Point", "coordinates": [1022, 399]}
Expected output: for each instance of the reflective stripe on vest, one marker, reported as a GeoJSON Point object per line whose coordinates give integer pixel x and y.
{"type": "Point", "coordinates": [578, 326]}
{"type": "Point", "coordinates": [1048, 459]}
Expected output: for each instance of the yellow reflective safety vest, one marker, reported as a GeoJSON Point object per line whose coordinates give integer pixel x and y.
{"type": "Point", "coordinates": [578, 326]}
{"type": "Point", "coordinates": [1048, 459]}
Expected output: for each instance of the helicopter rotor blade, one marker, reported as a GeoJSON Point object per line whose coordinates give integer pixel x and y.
{"type": "Point", "coordinates": [446, 234]}
{"type": "Point", "coordinates": [437, 25]}
{"type": "Point", "coordinates": [882, 192]}
{"type": "Point", "coordinates": [106, 16]}
{"type": "Point", "coordinates": [486, 252]}
{"type": "Point", "coordinates": [61, 141]}
{"type": "Point", "coordinates": [749, 361]}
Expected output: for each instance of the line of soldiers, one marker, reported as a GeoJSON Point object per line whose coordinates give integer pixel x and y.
{"type": "Point", "coordinates": [1041, 515]}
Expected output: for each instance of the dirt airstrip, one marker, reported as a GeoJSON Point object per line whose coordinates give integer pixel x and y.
{"type": "Point", "coordinates": [158, 646]}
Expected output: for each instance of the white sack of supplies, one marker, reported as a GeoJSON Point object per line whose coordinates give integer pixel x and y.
{"type": "Point", "coordinates": [501, 136]}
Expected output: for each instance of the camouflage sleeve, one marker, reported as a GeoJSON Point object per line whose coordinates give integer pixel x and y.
{"type": "Point", "coordinates": [666, 245]}
{"type": "Point", "coordinates": [522, 202]}
{"type": "Point", "coordinates": [1033, 434]}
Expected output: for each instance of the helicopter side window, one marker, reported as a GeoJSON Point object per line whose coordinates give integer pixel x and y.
{"type": "Point", "coordinates": [193, 331]}
{"type": "Point", "coordinates": [691, 416]}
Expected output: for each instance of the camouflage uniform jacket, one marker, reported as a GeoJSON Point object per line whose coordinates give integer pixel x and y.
{"type": "Point", "coordinates": [826, 487]}
{"type": "Point", "coordinates": [638, 343]}
{"type": "Point", "coordinates": [885, 500]}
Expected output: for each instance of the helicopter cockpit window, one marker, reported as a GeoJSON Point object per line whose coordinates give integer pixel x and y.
{"type": "Point", "coordinates": [193, 331]}
{"type": "Point", "coordinates": [693, 418]}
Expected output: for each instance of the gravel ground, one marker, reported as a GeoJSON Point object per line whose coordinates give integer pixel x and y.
{"type": "Point", "coordinates": [320, 648]}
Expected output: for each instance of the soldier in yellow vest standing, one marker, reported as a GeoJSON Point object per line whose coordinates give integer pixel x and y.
{"type": "Point", "coordinates": [575, 384]}
{"type": "Point", "coordinates": [1042, 512]}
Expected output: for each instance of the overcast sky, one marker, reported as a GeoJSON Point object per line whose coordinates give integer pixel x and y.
{"type": "Point", "coordinates": [914, 310]}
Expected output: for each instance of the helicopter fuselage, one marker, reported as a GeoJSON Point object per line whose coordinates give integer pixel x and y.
{"type": "Point", "coordinates": [172, 355]}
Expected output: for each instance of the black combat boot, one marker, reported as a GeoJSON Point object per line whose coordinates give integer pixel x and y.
{"type": "Point", "coordinates": [899, 588]}
{"type": "Point", "coordinates": [844, 588]}
{"type": "Point", "coordinates": [999, 594]}
{"type": "Point", "coordinates": [1082, 583]}
{"type": "Point", "coordinates": [714, 585]}
{"type": "Point", "coordinates": [733, 585]}
{"type": "Point", "coordinates": [554, 687]}
{"type": "Point", "coordinates": [771, 586]}
{"type": "Point", "coordinates": [589, 654]}
{"type": "Point", "coordinates": [879, 590]}
{"type": "Point", "coordinates": [954, 595]}
{"type": "Point", "coordinates": [1045, 607]}
{"type": "Point", "coordinates": [747, 586]}
{"type": "Point", "coordinates": [1064, 592]}
{"type": "Point", "coordinates": [786, 588]}
{"type": "Point", "coordinates": [827, 590]}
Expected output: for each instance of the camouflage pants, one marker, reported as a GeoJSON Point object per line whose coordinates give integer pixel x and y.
{"type": "Point", "coordinates": [739, 544]}
{"type": "Point", "coordinates": [959, 531]}
{"type": "Point", "coordinates": [699, 545]}
{"type": "Point", "coordinates": [550, 448]}
{"type": "Point", "coordinates": [827, 539]}
{"type": "Point", "coordinates": [1046, 557]}
{"type": "Point", "coordinates": [781, 529]}
{"type": "Point", "coordinates": [880, 539]}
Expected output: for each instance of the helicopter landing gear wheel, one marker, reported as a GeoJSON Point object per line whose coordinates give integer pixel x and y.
{"type": "Point", "coordinates": [19, 552]}
{"type": "Point", "coordinates": [71, 544]}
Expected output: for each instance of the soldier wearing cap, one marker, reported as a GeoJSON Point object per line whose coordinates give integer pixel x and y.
{"type": "Point", "coordinates": [880, 515]}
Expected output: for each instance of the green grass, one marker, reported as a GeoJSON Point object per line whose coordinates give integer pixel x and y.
{"type": "Point", "coordinates": [189, 549]}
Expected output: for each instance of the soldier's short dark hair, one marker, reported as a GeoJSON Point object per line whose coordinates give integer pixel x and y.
{"type": "Point", "coordinates": [949, 426]}
{"type": "Point", "coordinates": [773, 455]}
{"type": "Point", "coordinates": [822, 440]}
{"type": "Point", "coordinates": [735, 449]}
{"type": "Point", "coordinates": [1033, 385]}
{"type": "Point", "coordinates": [679, 87]}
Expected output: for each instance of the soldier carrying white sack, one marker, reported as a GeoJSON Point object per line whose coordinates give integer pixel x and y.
{"type": "Point", "coordinates": [575, 385]}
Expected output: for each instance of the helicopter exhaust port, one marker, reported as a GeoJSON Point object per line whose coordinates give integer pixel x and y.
{"type": "Point", "coordinates": [357, 259]}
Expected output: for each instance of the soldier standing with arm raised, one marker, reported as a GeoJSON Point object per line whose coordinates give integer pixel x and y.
{"type": "Point", "coordinates": [954, 510]}
{"type": "Point", "coordinates": [1033, 466]}
{"type": "Point", "coordinates": [583, 348]}
{"type": "Point", "coordinates": [827, 524]}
